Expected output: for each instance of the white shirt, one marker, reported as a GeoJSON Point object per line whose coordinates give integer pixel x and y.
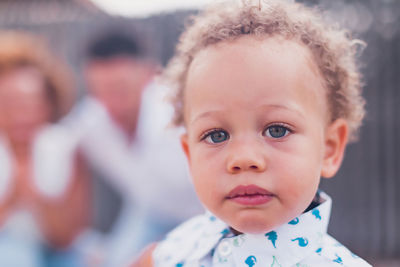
{"type": "Point", "coordinates": [150, 173]}
{"type": "Point", "coordinates": [207, 241]}
{"type": "Point", "coordinates": [152, 170]}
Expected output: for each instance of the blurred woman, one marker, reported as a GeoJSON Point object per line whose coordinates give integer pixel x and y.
{"type": "Point", "coordinates": [43, 182]}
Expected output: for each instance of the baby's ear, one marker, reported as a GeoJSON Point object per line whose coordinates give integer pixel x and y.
{"type": "Point", "coordinates": [185, 146]}
{"type": "Point", "coordinates": [336, 136]}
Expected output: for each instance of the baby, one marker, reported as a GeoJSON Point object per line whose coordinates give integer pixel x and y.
{"type": "Point", "coordinates": [269, 95]}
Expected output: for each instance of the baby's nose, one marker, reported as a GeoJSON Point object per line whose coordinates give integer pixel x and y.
{"type": "Point", "coordinates": [246, 159]}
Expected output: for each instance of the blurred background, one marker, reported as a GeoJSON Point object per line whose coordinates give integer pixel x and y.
{"type": "Point", "coordinates": [366, 206]}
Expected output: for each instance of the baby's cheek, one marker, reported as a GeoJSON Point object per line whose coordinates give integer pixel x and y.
{"type": "Point", "coordinates": [298, 184]}
{"type": "Point", "coordinates": [205, 188]}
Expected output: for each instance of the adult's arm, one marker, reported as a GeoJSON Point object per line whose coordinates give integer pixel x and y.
{"type": "Point", "coordinates": [145, 259]}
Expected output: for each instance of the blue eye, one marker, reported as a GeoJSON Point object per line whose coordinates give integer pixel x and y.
{"type": "Point", "coordinates": [276, 131]}
{"type": "Point", "coordinates": [215, 136]}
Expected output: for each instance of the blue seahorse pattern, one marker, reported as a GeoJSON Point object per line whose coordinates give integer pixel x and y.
{"type": "Point", "coordinates": [273, 236]}
{"type": "Point", "coordinates": [338, 259]}
{"type": "Point", "coordinates": [315, 212]}
{"type": "Point", "coordinates": [302, 241]}
{"type": "Point", "coordinates": [294, 221]}
{"type": "Point", "coordinates": [250, 261]}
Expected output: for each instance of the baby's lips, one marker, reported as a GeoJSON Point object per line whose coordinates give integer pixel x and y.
{"type": "Point", "coordinates": [243, 190]}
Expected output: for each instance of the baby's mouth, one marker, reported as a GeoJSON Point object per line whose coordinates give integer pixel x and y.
{"type": "Point", "coordinates": [250, 195]}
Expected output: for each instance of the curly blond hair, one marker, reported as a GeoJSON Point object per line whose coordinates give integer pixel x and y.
{"type": "Point", "coordinates": [21, 49]}
{"type": "Point", "coordinates": [332, 48]}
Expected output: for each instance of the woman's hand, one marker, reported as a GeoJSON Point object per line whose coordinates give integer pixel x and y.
{"type": "Point", "coordinates": [145, 259]}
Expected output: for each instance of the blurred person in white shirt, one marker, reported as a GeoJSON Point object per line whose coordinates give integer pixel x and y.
{"type": "Point", "coordinates": [122, 128]}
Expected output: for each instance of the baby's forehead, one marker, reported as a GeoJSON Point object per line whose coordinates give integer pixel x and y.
{"type": "Point", "coordinates": [241, 47]}
{"type": "Point", "coordinates": [260, 72]}
{"type": "Point", "coordinates": [273, 50]}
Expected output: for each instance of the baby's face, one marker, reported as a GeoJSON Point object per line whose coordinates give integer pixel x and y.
{"type": "Point", "coordinates": [256, 120]}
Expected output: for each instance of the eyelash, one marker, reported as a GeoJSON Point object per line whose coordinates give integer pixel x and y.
{"type": "Point", "coordinates": [212, 131]}
{"type": "Point", "coordinates": [282, 125]}
{"type": "Point", "coordinates": [208, 133]}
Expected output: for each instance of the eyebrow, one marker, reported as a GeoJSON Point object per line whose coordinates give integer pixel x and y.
{"type": "Point", "coordinates": [291, 108]}
{"type": "Point", "coordinates": [205, 114]}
